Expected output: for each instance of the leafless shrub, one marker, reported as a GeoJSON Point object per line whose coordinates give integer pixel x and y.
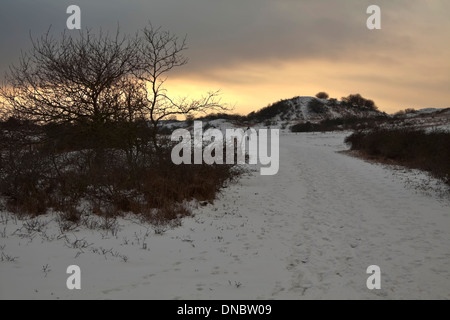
{"type": "Point", "coordinates": [87, 118]}
{"type": "Point", "coordinates": [7, 258]}
{"type": "Point", "coordinates": [3, 233]}
{"type": "Point", "coordinates": [141, 238]}
{"type": "Point", "coordinates": [66, 226]}
{"type": "Point", "coordinates": [46, 269]}
{"type": "Point", "coordinates": [35, 225]}
{"type": "Point", "coordinates": [77, 243]}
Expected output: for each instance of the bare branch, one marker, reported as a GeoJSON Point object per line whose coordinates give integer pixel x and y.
{"type": "Point", "coordinates": [70, 79]}
{"type": "Point", "coordinates": [98, 78]}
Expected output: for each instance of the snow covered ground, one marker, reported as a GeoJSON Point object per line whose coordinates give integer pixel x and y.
{"type": "Point", "coordinates": [310, 231]}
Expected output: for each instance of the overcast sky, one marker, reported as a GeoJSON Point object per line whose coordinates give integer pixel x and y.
{"type": "Point", "coordinates": [261, 51]}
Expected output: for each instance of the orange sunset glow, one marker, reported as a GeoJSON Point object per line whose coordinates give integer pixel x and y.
{"type": "Point", "coordinates": [259, 52]}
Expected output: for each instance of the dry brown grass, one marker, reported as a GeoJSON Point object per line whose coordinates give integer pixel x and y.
{"type": "Point", "coordinates": [61, 176]}
{"type": "Point", "coordinates": [413, 148]}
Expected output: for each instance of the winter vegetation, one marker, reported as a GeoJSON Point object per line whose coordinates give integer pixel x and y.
{"type": "Point", "coordinates": [86, 178]}
{"type": "Point", "coordinates": [84, 127]}
{"type": "Point", "coordinates": [322, 95]}
{"type": "Point", "coordinates": [414, 148]}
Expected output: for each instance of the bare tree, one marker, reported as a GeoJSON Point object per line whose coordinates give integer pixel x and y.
{"type": "Point", "coordinates": [159, 53]}
{"type": "Point", "coordinates": [69, 80]}
{"type": "Point", "coordinates": [98, 79]}
{"type": "Point", "coordinates": [103, 96]}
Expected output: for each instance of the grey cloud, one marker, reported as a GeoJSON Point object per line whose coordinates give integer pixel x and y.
{"type": "Point", "coordinates": [226, 32]}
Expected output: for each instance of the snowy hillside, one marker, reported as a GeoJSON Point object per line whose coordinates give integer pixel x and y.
{"type": "Point", "coordinates": [283, 114]}
{"type": "Point", "coordinates": [428, 118]}
{"type": "Point", "coordinates": [302, 109]}
{"type": "Point", "coordinates": [286, 113]}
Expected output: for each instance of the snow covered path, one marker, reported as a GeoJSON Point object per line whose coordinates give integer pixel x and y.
{"type": "Point", "coordinates": [311, 231]}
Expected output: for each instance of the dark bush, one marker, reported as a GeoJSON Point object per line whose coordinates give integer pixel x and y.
{"type": "Point", "coordinates": [269, 112]}
{"type": "Point", "coordinates": [316, 106]}
{"type": "Point", "coordinates": [410, 147]}
{"type": "Point", "coordinates": [357, 101]}
{"type": "Point", "coordinates": [305, 127]}
{"type": "Point", "coordinates": [344, 123]}
{"type": "Point", "coordinates": [225, 116]}
{"type": "Point", "coordinates": [322, 95]}
{"type": "Point", "coordinates": [95, 136]}
{"type": "Point", "coordinates": [404, 112]}
{"type": "Point", "coordinates": [57, 166]}
{"type": "Point", "coordinates": [332, 102]}
{"type": "Point", "coordinates": [190, 120]}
